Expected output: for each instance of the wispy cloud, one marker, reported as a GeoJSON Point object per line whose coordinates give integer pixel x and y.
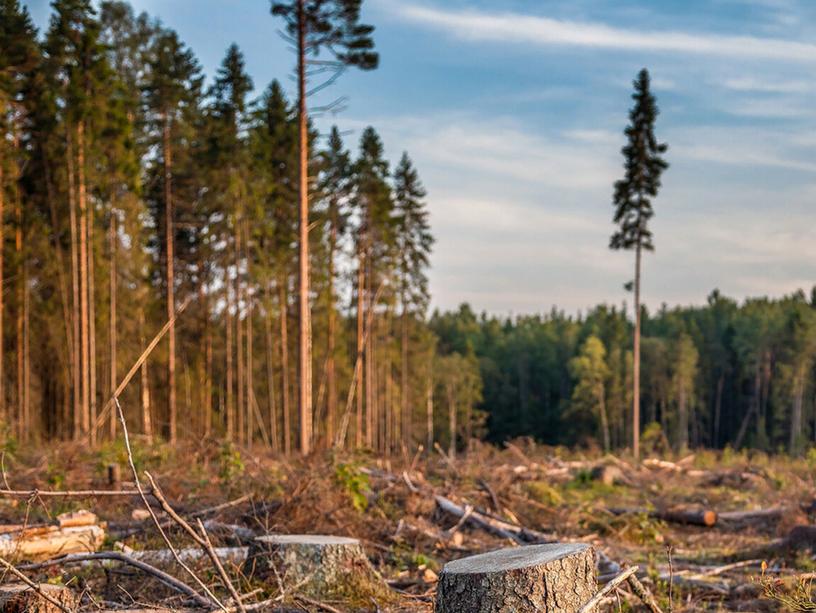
{"type": "Point", "coordinates": [770, 86]}
{"type": "Point", "coordinates": [545, 31]}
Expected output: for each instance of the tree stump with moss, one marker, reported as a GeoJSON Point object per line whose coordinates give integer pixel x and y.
{"type": "Point", "coordinates": [331, 568]}
{"type": "Point", "coordinates": [20, 598]}
{"type": "Point", "coordinates": [556, 577]}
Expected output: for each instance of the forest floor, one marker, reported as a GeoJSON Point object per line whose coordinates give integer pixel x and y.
{"type": "Point", "coordinates": [748, 560]}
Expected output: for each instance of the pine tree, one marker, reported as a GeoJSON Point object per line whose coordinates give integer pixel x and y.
{"type": "Point", "coordinates": [414, 242]}
{"type": "Point", "coordinates": [172, 89]}
{"type": "Point", "coordinates": [18, 57]}
{"type": "Point", "coordinates": [633, 196]}
{"type": "Point", "coordinates": [316, 26]}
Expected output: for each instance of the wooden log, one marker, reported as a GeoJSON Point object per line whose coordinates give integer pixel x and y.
{"type": "Point", "coordinates": [20, 598]}
{"type": "Point", "coordinates": [499, 527]}
{"type": "Point", "coordinates": [553, 577]}
{"type": "Point", "coordinates": [689, 516]}
{"type": "Point", "coordinates": [51, 542]}
{"type": "Point", "coordinates": [323, 567]}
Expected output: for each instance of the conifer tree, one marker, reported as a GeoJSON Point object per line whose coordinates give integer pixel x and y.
{"type": "Point", "coordinates": [591, 372]}
{"type": "Point", "coordinates": [315, 27]}
{"type": "Point", "coordinates": [644, 165]}
{"type": "Point", "coordinates": [414, 242]}
{"type": "Point", "coordinates": [171, 91]}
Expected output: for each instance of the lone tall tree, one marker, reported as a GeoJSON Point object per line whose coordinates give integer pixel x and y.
{"type": "Point", "coordinates": [314, 26]}
{"type": "Point", "coordinates": [633, 207]}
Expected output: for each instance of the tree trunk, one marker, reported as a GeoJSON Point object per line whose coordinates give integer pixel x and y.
{"type": "Point", "coordinates": [230, 409]}
{"type": "Point", "coordinates": [170, 278]}
{"type": "Point", "coordinates": [240, 408]}
{"type": "Point", "coordinates": [369, 358]}
{"type": "Point", "coordinates": [636, 362]}
{"type": "Point", "coordinates": [429, 418]}
{"type": "Point", "coordinates": [331, 383]}
{"type": "Point", "coordinates": [305, 336]}
{"type": "Point", "coordinates": [112, 335]}
{"type": "Point", "coordinates": [77, 375]}
{"type": "Point", "coordinates": [718, 411]}
{"type": "Point", "coordinates": [358, 374]}
{"type": "Point", "coordinates": [83, 278]}
{"type": "Point", "coordinates": [553, 577]}
{"type": "Point", "coordinates": [405, 411]}
{"type": "Point", "coordinates": [20, 350]}
{"type": "Point", "coordinates": [250, 392]}
{"type": "Point", "coordinates": [796, 414]}
{"type": "Point", "coordinates": [270, 380]}
{"type": "Point", "coordinates": [284, 333]}
{"type": "Point", "coordinates": [147, 422]}
{"type": "Point", "coordinates": [604, 418]}
{"type": "Point", "coordinates": [3, 415]}
{"type": "Point", "coordinates": [451, 422]}
{"type": "Point", "coordinates": [89, 228]}
{"type": "Point", "coordinates": [683, 425]}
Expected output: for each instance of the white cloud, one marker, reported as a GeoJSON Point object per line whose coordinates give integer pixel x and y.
{"type": "Point", "coordinates": [754, 84]}
{"type": "Point", "coordinates": [545, 31]}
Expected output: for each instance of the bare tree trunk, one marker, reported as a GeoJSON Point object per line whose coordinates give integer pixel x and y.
{"type": "Point", "coordinates": [331, 382]}
{"type": "Point", "coordinates": [604, 418]}
{"type": "Point", "coordinates": [230, 417]}
{"type": "Point", "coordinates": [239, 340]}
{"type": "Point", "coordinates": [717, 411]}
{"type": "Point", "coordinates": [683, 426]}
{"type": "Point", "coordinates": [147, 422]}
{"type": "Point", "coordinates": [27, 356]}
{"type": "Point", "coordinates": [89, 228]}
{"type": "Point", "coordinates": [270, 380]}
{"type": "Point", "coordinates": [3, 415]}
{"type": "Point", "coordinates": [208, 355]}
{"type": "Point", "coordinates": [75, 305]}
{"type": "Point", "coordinates": [636, 364]}
{"type": "Point", "coordinates": [796, 414]}
{"type": "Point", "coordinates": [170, 278]}
{"type": "Point", "coordinates": [429, 417]}
{"type": "Point", "coordinates": [284, 333]}
{"type": "Point", "coordinates": [369, 360]}
{"type": "Point", "coordinates": [250, 393]}
{"type": "Point", "coordinates": [451, 422]}
{"type": "Point", "coordinates": [305, 337]}
{"type": "Point", "coordinates": [20, 341]}
{"type": "Point", "coordinates": [83, 278]}
{"type": "Point", "coordinates": [112, 334]}
{"type": "Point", "coordinates": [358, 435]}
{"type": "Point", "coordinates": [405, 399]}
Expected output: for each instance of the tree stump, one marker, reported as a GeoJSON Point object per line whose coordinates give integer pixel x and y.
{"type": "Point", "coordinates": [322, 567]}
{"type": "Point", "coordinates": [556, 577]}
{"type": "Point", "coordinates": [19, 598]}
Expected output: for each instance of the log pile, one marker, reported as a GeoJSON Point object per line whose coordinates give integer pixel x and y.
{"type": "Point", "coordinates": [78, 532]}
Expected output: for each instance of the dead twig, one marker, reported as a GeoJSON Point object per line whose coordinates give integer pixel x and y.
{"type": "Point", "coordinates": [201, 539]}
{"type": "Point", "coordinates": [214, 599]}
{"type": "Point", "coordinates": [644, 594]}
{"type": "Point", "coordinates": [35, 493]}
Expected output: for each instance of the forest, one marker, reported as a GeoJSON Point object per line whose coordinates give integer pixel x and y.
{"type": "Point", "coordinates": [130, 192]}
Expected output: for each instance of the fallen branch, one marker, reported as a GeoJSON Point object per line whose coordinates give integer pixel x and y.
{"type": "Point", "coordinates": [589, 607]}
{"type": "Point", "coordinates": [35, 493]}
{"type": "Point", "coordinates": [693, 517]}
{"type": "Point", "coordinates": [644, 594]}
{"type": "Point", "coordinates": [117, 556]}
{"type": "Point", "coordinates": [503, 529]}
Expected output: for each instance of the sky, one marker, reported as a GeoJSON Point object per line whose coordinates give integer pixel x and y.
{"type": "Point", "coordinates": [513, 112]}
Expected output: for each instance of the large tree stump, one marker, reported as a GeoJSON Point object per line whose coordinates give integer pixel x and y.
{"type": "Point", "coordinates": [20, 598]}
{"type": "Point", "coordinates": [555, 577]}
{"type": "Point", "coordinates": [333, 568]}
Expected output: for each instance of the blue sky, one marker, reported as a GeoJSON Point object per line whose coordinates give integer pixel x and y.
{"type": "Point", "coordinates": [513, 112]}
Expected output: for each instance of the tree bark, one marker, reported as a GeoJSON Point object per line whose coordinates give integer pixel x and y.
{"type": "Point", "coordinates": [147, 422]}
{"type": "Point", "coordinates": [553, 577]}
{"type": "Point", "coordinates": [3, 415]}
{"type": "Point", "coordinates": [331, 332]}
{"type": "Point", "coordinates": [284, 334]}
{"type": "Point", "coordinates": [83, 279]}
{"type": "Point", "coordinates": [358, 434]}
{"type": "Point", "coordinates": [89, 228]}
{"type": "Point", "coordinates": [636, 361]}
{"type": "Point", "coordinates": [270, 380]}
{"type": "Point", "coordinates": [77, 376]}
{"type": "Point", "coordinates": [305, 336]}
{"type": "Point", "coordinates": [429, 417]}
{"type": "Point", "coordinates": [451, 421]}
{"type": "Point", "coordinates": [240, 408]}
{"type": "Point", "coordinates": [604, 419]}
{"type": "Point", "coordinates": [20, 342]}
{"type": "Point", "coordinates": [170, 278]}
{"type": "Point", "coordinates": [405, 412]}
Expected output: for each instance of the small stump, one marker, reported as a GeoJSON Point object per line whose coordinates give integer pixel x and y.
{"type": "Point", "coordinates": [332, 568]}
{"type": "Point", "coordinates": [554, 577]}
{"type": "Point", "coordinates": [19, 598]}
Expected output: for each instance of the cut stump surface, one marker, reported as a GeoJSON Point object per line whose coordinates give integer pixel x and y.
{"type": "Point", "coordinates": [19, 598]}
{"type": "Point", "coordinates": [556, 577]}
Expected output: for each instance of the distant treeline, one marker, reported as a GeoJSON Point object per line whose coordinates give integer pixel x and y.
{"type": "Point", "coordinates": [726, 373]}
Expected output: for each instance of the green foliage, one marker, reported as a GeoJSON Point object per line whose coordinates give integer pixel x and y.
{"type": "Point", "coordinates": [230, 463]}
{"type": "Point", "coordinates": [544, 493]}
{"type": "Point", "coordinates": [355, 483]}
{"type": "Point", "coordinates": [653, 440]}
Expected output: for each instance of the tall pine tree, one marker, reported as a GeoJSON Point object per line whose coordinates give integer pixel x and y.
{"type": "Point", "coordinates": [644, 164]}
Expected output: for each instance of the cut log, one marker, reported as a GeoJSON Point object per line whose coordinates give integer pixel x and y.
{"type": "Point", "coordinates": [689, 516]}
{"type": "Point", "coordinates": [20, 598]}
{"type": "Point", "coordinates": [323, 567]}
{"type": "Point", "coordinates": [553, 577]}
{"type": "Point", "coordinates": [50, 542]}
{"type": "Point", "coordinates": [743, 518]}
{"type": "Point", "coordinates": [499, 527]}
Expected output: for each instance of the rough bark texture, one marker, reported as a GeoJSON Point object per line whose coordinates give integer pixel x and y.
{"type": "Point", "coordinates": [558, 578]}
{"type": "Point", "coordinates": [325, 567]}
{"type": "Point", "coordinates": [19, 598]}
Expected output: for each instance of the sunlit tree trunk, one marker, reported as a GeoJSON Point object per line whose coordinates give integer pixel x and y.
{"type": "Point", "coordinates": [451, 421]}
{"type": "Point", "coordinates": [147, 421]}
{"type": "Point", "coordinates": [230, 417]}
{"type": "Point", "coordinates": [636, 360]}
{"type": "Point", "coordinates": [358, 434]}
{"type": "Point", "coordinates": [83, 279]}
{"type": "Point", "coordinates": [22, 432]}
{"type": "Point", "coordinates": [284, 334]}
{"type": "Point", "coordinates": [112, 333]}
{"type": "Point", "coordinates": [305, 336]}
{"type": "Point", "coordinates": [167, 155]}
{"type": "Point", "coordinates": [89, 228]}
{"type": "Point", "coordinates": [429, 408]}
{"type": "Point", "coordinates": [331, 383]}
{"type": "Point", "coordinates": [240, 410]}
{"type": "Point", "coordinates": [75, 305]}
{"type": "Point", "coordinates": [270, 380]}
